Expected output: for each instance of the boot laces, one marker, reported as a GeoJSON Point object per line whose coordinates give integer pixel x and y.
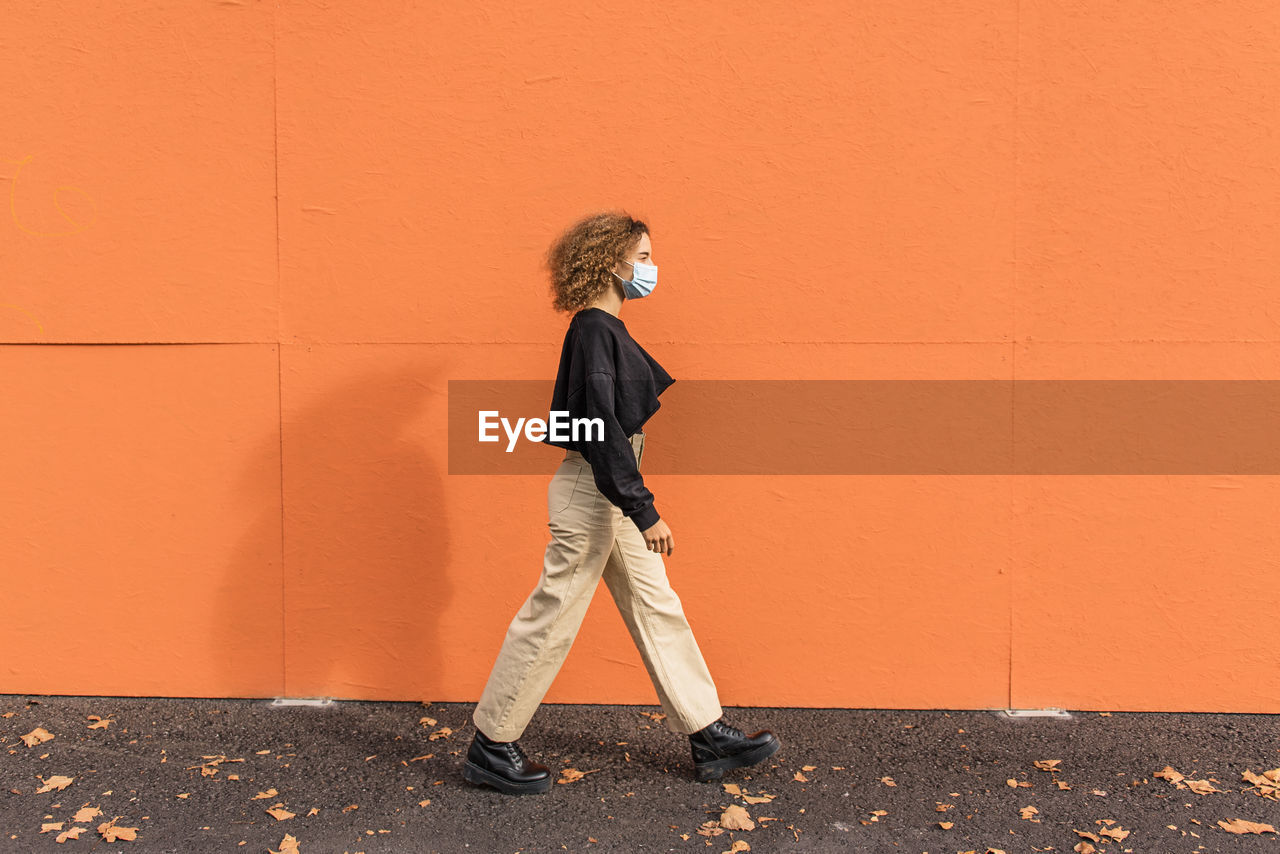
{"type": "Point", "coordinates": [516, 754]}
{"type": "Point", "coordinates": [729, 729]}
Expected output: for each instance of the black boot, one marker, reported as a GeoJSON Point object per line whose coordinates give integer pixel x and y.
{"type": "Point", "coordinates": [720, 747]}
{"type": "Point", "coordinates": [503, 765]}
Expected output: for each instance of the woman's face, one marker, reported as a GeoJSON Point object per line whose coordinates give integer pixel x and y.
{"type": "Point", "coordinates": [642, 252]}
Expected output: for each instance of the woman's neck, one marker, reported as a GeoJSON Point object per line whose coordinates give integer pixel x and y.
{"type": "Point", "coordinates": [610, 301]}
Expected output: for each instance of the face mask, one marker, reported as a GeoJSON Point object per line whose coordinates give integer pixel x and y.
{"type": "Point", "coordinates": [644, 278]}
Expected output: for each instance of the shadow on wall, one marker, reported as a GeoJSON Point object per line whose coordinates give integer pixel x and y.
{"type": "Point", "coordinates": [366, 547]}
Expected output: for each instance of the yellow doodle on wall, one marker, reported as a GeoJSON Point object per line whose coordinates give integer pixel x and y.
{"type": "Point", "coordinates": [13, 204]}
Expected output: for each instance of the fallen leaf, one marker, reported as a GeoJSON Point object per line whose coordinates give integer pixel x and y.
{"type": "Point", "coordinates": [1117, 833]}
{"type": "Point", "coordinates": [761, 798]}
{"type": "Point", "coordinates": [1047, 764]}
{"type": "Point", "coordinates": [710, 828]}
{"type": "Point", "coordinates": [70, 833]}
{"type": "Point", "coordinates": [1062, 784]}
{"type": "Point", "coordinates": [112, 833]}
{"type": "Point", "coordinates": [800, 778]}
{"type": "Point", "coordinates": [288, 845]}
{"type": "Point", "coordinates": [946, 825]}
{"type": "Point", "coordinates": [1168, 773]}
{"type": "Point", "coordinates": [1267, 783]}
{"type": "Point", "coordinates": [51, 825]}
{"type": "Point", "coordinates": [1028, 812]}
{"type": "Point", "coordinates": [420, 758]}
{"type": "Point", "coordinates": [1239, 825]}
{"type": "Point", "coordinates": [809, 768]}
{"type": "Point", "coordinates": [57, 781]}
{"type": "Point", "coordinates": [572, 775]}
{"type": "Point", "coordinates": [443, 732]}
{"type": "Point", "coordinates": [735, 817]}
{"type": "Point", "coordinates": [39, 735]}
{"type": "Point", "coordinates": [269, 793]}
{"type": "Point", "coordinates": [738, 845]}
{"type": "Point", "coordinates": [732, 788]}
{"type": "Point", "coordinates": [313, 811]}
{"type": "Point", "coordinates": [279, 813]}
{"type": "Point", "coordinates": [1083, 847]}
{"type": "Point", "coordinates": [185, 795]}
{"type": "Point", "coordinates": [888, 781]}
{"type": "Point", "coordinates": [427, 721]}
{"type": "Point", "coordinates": [86, 814]}
{"type": "Point", "coordinates": [1201, 787]}
{"type": "Point", "coordinates": [1092, 837]}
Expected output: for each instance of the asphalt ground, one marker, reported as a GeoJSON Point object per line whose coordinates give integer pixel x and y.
{"type": "Point", "coordinates": [386, 777]}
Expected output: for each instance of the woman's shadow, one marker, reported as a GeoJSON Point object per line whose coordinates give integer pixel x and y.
{"type": "Point", "coordinates": [337, 587]}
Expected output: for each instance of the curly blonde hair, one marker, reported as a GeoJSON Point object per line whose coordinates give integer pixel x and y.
{"type": "Point", "coordinates": [582, 260]}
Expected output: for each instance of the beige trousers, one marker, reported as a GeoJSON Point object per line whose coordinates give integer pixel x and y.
{"type": "Point", "coordinates": [590, 537]}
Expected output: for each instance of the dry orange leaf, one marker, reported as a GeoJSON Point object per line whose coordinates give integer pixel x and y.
{"type": "Point", "coordinates": [279, 813]}
{"type": "Point", "coordinates": [761, 798]}
{"type": "Point", "coordinates": [1200, 787]}
{"type": "Point", "coordinates": [710, 828]}
{"type": "Point", "coordinates": [427, 721]}
{"type": "Point", "coordinates": [1239, 825]}
{"type": "Point", "coordinates": [39, 735]}
{"type": "Point", "coordinates": [57, 781]}
{"type": "Point", "coordinates": [111, 832]}
{"type": "Point", "coordinates": [800, 778]}
{"type": "Point", "coordinates": [1083, 847]}
{"type": "Point", "coordinates": [1062, 784]}
{"type": "Point", "coordinates": [1092, 837]}
{"type": "Point", "coordinates": [888, 781]}
{"type": "Point", "coordinates": [809, 768]}
{"type": "Point", "coordinates": [288, 845]}
{"type": "Point", "coordinates": [1168, 773]}
{"type": "Point", "coordinates": [1117, 833]}
{"type": "Point", "coordinates": [1047, 764]}
{"type": "Point", "coordinates": [443, 732]}
{"type": "Point", "coordinates": [1028, 812]}
{"type": "Point", "coordinates": [1267, 783]}
{"type": "Point", "coordinates": [50, 825]}
{"type": "Point", "coordinates": [732, 788]}
{"type": "Point", "coordinates": [946, 825]}
{"type": "Point", "coordinates": [572, 775]}
{"type": "Point", "coordinates": [86, 814]}
{"type": "Point", "coordinates": [269, 793]}
{"type": "Point", "coordinates": [71, 833]}
{"type": "Point", "coordinates": [98, 722]}
{"type": "Point", "coordinates": [738, 845]}
{"type": "Point", "coordinates": [735, 817]}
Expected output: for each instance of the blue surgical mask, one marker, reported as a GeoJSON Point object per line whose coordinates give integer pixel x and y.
{"type": "Point", "coordinates": [644, 278]}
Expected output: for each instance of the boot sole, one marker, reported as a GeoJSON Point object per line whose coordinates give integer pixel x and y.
{"type": "Point", "coordinates": [476, 775]}
{"type": "Point", "coordinates": [715, 770]}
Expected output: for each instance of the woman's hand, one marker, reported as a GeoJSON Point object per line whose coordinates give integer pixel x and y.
{"type": "Point", "coordinates": [658, 538]}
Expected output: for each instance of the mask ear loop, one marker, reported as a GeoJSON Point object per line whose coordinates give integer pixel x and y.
{"type": "Point", "coordinates": [633, 273]}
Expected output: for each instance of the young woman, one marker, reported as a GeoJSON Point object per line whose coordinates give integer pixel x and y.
{"type": "Point", "coordinates": [603, 523]}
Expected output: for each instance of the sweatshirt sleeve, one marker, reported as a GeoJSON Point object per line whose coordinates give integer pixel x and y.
{"type": "Point", "coordinates": [613, 461]}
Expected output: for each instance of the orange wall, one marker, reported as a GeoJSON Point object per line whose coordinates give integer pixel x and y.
{"type": "Point", "coordinates": [253, 241]}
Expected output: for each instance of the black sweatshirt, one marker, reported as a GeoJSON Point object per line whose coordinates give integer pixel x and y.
{"type": "Point", "coordinates": [605, 374]}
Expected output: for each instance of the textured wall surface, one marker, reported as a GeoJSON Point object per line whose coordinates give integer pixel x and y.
{"type": "Point", "coordinates": [246, 245]}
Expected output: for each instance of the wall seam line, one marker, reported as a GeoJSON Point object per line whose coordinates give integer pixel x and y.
{"type": "Point", "coordinates": [275, 156]}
